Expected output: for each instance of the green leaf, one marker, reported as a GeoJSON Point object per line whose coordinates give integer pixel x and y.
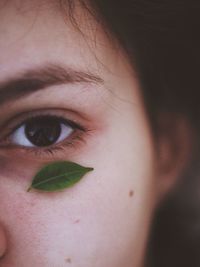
{"type": "Point", "coordinates": [58, 176]}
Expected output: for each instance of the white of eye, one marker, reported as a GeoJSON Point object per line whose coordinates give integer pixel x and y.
{"type": "Point", "coordinates": [18, 137]}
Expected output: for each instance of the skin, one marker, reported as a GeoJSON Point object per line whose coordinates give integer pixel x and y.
{"type": "Point", "coordinates": [104, 220]}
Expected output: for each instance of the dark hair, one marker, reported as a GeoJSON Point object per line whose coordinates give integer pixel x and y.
{"type": "Point", "coordinates": [161, 39]}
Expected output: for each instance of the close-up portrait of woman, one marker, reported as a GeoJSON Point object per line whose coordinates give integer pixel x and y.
{"type": "Point", "coordinates": [99, 133]}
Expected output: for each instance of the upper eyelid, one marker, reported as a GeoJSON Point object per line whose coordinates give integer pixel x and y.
{"type": "Point", "coordinates": [46, 110]}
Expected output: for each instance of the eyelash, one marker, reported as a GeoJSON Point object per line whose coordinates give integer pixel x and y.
{"type": "Point", "coordinates": [77, 137]}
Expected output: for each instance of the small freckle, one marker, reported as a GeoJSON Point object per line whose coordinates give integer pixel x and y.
{"type": "Point", "coordinates": [131, 193]}
{"type": "Point", "coordinates": [77, 221]}
{"type": "Point", "coordinates": [68, 260]}
{"type": "Point", "coordinates": [33, 204]}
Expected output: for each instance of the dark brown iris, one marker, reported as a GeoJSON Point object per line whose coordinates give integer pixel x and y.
{"type": "Point", "coordinates": [43, 131]}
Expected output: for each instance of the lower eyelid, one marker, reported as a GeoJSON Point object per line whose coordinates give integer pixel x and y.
{"type": "Point", "coordinates": [58, 151]}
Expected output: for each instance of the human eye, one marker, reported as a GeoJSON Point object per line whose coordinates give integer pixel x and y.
{"type": "Point", "coordinates": [43, 133]}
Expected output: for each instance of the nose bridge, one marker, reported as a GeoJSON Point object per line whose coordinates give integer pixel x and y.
{"type": "Point", "coordinates": [3, 240]}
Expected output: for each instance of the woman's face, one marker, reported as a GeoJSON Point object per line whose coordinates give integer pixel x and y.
{"type": "Point", "coordinates": [50, 67]}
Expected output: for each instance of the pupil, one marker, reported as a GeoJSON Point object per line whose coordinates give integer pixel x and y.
{"type": "Point", "coordinates": [43, 131]}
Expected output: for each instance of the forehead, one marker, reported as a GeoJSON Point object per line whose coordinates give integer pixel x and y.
{"type": "Point", "coordinates": [35, 31]}
{"type": "Point", "coordinates": [24, 19]}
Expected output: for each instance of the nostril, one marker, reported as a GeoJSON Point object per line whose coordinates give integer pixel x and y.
{"type": "Point", "coordinates": [3, 241]}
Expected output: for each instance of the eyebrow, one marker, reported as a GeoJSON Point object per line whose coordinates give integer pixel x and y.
{"type": "Point", "coordinates": [43, 77]}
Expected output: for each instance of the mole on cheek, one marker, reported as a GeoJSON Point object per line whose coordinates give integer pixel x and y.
{"type": "Point", "coordinates": [131, 193]}
{"type": "Point", "coordinates": [68, 260]}
{"type": "Point", "coordinates": [77, 221]}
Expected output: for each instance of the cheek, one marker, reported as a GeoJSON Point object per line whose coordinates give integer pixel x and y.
{"type": "Point", "coordinates": [87, 223]}
{"type": "Point", "coordinates": [108, 211]}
